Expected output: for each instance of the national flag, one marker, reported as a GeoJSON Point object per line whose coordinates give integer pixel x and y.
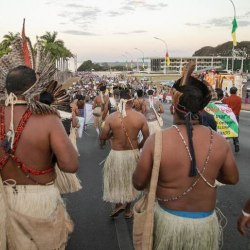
{"type": "Point", "coordinates": [235, 26]}
{"type": "Point", "coordinates": [167, 59]}
{"type": "Point", "coordinates": [26, 53]}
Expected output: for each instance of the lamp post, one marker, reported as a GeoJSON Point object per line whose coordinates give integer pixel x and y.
{"type": "Point", "coordinates": [126, 58]}
{"type": "Point", "coordinates": [131, 60]}
{"type": "Point", "coordinates": [233, 52]}
{"type": "Point", "coordinates": [166, 47]}
{"type": "Point", "coordinates": [142, 58]}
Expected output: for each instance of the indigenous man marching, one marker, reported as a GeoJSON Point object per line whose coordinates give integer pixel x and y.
{"type": "Point", "coordinates": [122, 127]}
{"type": "Point", "coordinates": [99, 104]}
{"type": "Point", "coordinates": [152, 110]}
{"type": "Point", "coordinates": [32, 213]}
{"type": "Point", "coordinates": [185, 216]}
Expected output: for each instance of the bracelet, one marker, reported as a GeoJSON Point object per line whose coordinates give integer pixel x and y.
{"type": "Point", "coordinates": [245, 214]}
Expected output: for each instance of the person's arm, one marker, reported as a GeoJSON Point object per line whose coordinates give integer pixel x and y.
{"type": "Point", "coordinates": [142, 174]}
{"type": "Point", "coordinates": [145, 133]}
{"type": "Point", "coordinates": [94, 103]}
{"type": "Point", "coordinates": [105, 134]}
{"type": "Point", "coordinates": [229, 173]}
{"type": "Point", "coordinates": [105, 109]}
{"type": "Point", "coordinates": [244, 219]}
{"type": "Point", "coordinates": [66, 155]}
{"type": "Point", "coordinates": [160, 108]}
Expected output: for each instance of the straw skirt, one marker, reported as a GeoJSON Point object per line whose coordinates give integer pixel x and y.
{"type": "Point", "coordinates": [35, 202]}
{"type": "Point", "coordinates": [117, 176]}
{"type": "Point", "coordinates": [179, 233]}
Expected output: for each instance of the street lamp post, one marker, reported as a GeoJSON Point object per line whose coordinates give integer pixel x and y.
{"type": "Point", "coordinates": [131, 60]}
{"type": "Point", "coordinates": [233, 52]}
{"type": "Point", "coordinates": [142, 57]}
{"type": "Point", "coordinates": [166, 47]}
{"type": "Point", "coordinates": [126, 58]}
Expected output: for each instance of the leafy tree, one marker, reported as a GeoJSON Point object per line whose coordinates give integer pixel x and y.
{"type": "Point", "coordinates": [56, 46]}
{"type": "Point", "coordinates": [86, 66]}
{"type": "Point", "coordinates": [5, 44]}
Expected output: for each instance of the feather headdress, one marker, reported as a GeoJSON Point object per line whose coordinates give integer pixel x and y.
{"type": "Point", "coordinates": [43, 63]}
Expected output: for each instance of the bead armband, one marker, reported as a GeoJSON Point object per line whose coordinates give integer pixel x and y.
{"type": "Point", "coordinates": [245, 214]}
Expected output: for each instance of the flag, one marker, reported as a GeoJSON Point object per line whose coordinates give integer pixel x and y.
{"type": "Point", "coordinates": [167, 59]}
{"type": "Point", "coordinates": [26, 53]}
{"type": "Point", "coordinates": [234, 23]}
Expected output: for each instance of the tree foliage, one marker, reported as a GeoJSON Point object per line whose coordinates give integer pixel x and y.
{"type": "Point", "coordinates": [55, 46]}
{"type": "Point", "coordinates": [6, 42]}
{"type": "Point", "coordinates": [225, 49]}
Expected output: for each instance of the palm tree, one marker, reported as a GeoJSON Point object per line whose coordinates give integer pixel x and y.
{"type": "Point", "coordinates": [56, 47]}
{"type": "Point", "coordinates": [9, 38]}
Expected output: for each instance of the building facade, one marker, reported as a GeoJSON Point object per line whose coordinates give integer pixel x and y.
{"type": "Point", "coordinates": [157, 64]}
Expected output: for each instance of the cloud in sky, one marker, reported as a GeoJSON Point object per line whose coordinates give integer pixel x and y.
{"type": "Point", "coordinates": [79, 33]}
{"type": "Point", "coordinates": [130, 32]}
{"type": "Point", "coordinates": [221, 22]}
{"type": "Point", "coordinates": [132, 5]}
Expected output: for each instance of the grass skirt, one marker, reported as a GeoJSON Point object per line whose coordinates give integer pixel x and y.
{"type": "Point", "coordinates": [153, 127]}
{"type": "Point", "coordinates": [117, 176]}
{"type": "Point", "coordinates": [178, 233]}
{"type": "Point", "coordinates": [35, 201]}
{"type": "Point", "coordinates": [68, 182]}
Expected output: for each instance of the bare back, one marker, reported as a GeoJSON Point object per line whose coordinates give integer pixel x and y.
{"type": "Point", "coordinates": [175, 166]}
{"type": "Point", "coordinates": [133, 123]}
{"type": "Point", "coordinates": [42, 137]}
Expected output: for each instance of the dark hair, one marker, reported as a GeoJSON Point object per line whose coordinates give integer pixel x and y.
{"type": "Point", "coordinates": [125, 94]}
{"type": "Point", "coordinates": [233, 90]}
{"type": "Point", "coordinates": [103, 88]}
{"type": "Point", "coordinates": [139, 92]}
{"type": "Point", "coordinates": [150, 92]}
{"type": "Point", "coordinates": [219, 93]}
{"type": "Point", "coordinates": [46, 98]}
{"type": "Point", "coordinates": [20, 79]}
{"type": "Point", "coordinates": [191, 100]}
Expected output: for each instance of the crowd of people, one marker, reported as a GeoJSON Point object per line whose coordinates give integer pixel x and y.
{"type": "Point", "coordinates": [39, 157]}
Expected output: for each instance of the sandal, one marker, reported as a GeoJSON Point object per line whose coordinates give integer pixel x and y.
{"type": "Point", "coordinates": [116, 211]}
{"type": "Point", "coordinates": [129, 215]}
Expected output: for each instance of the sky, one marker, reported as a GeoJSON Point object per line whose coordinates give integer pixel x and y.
{"type": "Point", "coordinates": [109, 31]}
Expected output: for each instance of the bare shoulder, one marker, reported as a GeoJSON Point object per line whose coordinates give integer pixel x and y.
{"type": "Point", "coordinates": [51, 120]}
{"type": "Point", "coordinates": [139, 115]}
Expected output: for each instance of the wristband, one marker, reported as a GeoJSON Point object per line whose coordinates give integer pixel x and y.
{"type": "Point", "coordinates": [245, 214]}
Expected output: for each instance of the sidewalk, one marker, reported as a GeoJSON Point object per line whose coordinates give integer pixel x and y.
{"type": "Point", "coordinates": [245, 106]}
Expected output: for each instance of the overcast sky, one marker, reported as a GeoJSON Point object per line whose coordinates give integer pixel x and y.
{"type": "Point", "coordinates": [103, 30]}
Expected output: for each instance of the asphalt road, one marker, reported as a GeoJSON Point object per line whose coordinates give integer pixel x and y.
{"type": "Point", "coordinates": [94, 230]}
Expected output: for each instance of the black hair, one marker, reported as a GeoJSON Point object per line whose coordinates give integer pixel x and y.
{"type": "Point", "coordinates": [125, 94]}
{"type": "Point", "coordinates": [195, 96]}
{"type": "Point", "coordinates": [20, 79]}
{"type": "Point", "coordinates": [46, 98]}
{"type": "Point", "coordinates": [139, 92]}
{"type": "Point", "coordinates": [103, 88]}
{"type": "Point", "coordinates": [233, 90]}
{"type": "Point", "coordinates": [219, 93]}
{"type": "Point", "coordinates": [150, 92]}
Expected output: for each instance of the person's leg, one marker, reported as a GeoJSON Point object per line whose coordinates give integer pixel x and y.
{"type": "Point", "coordinates": [119, 207]}
{"type": "Point", "coordinates": [236, 139]}
{"type": "Point", "coordinates": [128, 212]}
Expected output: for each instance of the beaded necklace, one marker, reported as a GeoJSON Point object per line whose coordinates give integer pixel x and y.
{"type": "Point", "coordinates": [201, 176]}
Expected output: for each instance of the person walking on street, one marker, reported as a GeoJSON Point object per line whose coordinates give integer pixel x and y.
{"type": "Point", "coordinates": [152, 109]}
{"type": "Point", "coordinates": [184, 215]}
{"type": "Point", "coordinates": [122, 127]}
{"type": "Point", "coordinates": [32, 138]}
{"type": "Point", "coordinates": [234, 102]}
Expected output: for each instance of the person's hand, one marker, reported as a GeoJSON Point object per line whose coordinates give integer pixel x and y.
{"type": "Point", "coordinates": [243, 224]}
